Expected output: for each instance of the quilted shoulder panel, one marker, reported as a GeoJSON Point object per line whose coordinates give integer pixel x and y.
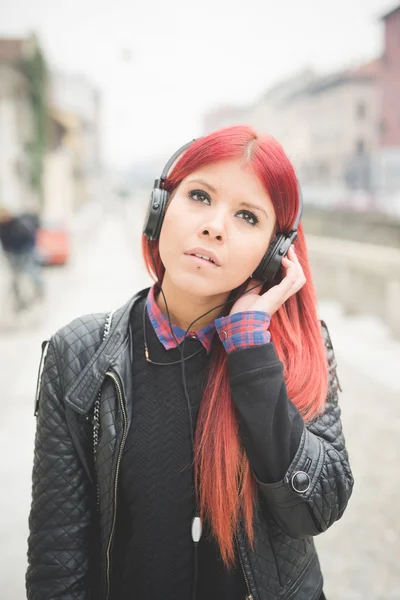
{"type": "Point", "coordinates": [76, 344]}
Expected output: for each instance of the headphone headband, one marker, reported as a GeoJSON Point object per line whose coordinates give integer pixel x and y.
{"type": "Point", "coordinates": [299, 214]}
{"type": "Point", "coordinates": [173, 158]}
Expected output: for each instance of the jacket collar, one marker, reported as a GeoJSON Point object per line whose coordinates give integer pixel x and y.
{"type": "Point", "coordinates": [111, 353]}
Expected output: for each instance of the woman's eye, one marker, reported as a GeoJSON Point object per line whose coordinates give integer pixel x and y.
{"type": "Point", "coordinates": [199, 196]}
{"type": "Point", "coordinates": [248, 216]}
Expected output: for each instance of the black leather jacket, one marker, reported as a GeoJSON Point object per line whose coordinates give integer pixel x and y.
{"type": "Point", "coordinates": [70, 542]}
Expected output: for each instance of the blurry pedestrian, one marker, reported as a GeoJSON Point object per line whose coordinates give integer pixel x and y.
{"type": "Point", "coordinates": [18, 240]}
{"type": "Point", "coordinates": [189, 444]}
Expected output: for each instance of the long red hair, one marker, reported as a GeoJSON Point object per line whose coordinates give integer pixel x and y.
{"type": "Point", "coordinates": [225, 484]}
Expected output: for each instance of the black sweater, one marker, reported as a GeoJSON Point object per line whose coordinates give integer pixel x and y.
{"type": "Point", "coordinates": [153, 554]}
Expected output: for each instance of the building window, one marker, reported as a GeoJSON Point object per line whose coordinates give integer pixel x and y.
{"type": "Point", "coordinates": [361, 111]}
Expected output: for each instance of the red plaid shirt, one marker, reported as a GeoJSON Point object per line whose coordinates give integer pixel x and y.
{"type": "Point", "coordinates": [241, 330]}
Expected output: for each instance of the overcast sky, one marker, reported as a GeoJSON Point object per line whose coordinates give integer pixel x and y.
{"type": "Point", "coordinates": [161, 65]}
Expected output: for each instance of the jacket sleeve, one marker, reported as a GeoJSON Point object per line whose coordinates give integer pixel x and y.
{"type": "Point", "coordinates": [59, 519]}
{"type": "Point", "coordinates": [314, 491]}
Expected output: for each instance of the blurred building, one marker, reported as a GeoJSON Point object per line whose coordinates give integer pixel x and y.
{"type": "Point", "coordinates": [336, 118]}
{"type": "Point", "coordinates": [341, 130]}
{"type": "Point", "coordinates": [387, 160]}
{"type": "Point", "coordinates": [74, 156]}
{"type": "Point", "coordinates": [390, 81]}
{"type": "Point", "coordinates": [327, 124]}
{"type": "Point", "coordinates": [50, 158]}
{"type": "Point", "coordinates": [16, 125]}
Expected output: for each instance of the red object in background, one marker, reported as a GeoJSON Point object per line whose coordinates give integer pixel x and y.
{"type": "Point", "coordinates": [53, 244]}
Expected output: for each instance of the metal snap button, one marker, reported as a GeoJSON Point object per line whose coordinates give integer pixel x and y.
{"type": "Point", "coordinates": [300, 482]}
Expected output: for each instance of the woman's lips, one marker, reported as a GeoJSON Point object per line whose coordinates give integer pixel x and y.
{"type": "Point", "coordinates": [202, 261]}
{"type": "Point", "coordinates": [200, 252]}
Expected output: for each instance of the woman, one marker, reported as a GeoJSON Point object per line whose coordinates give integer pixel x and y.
{"type": "Point", "coordinates": [189, 445]}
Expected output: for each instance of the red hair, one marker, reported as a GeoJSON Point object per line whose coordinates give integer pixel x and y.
{"type": "Point", "coordinates": [226, 486]}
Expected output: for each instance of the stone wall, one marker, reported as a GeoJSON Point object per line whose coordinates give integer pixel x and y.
{"type": "Point", "coordinates": [363, 227]}
{"type": "Point", "coordinates": [363, 278]}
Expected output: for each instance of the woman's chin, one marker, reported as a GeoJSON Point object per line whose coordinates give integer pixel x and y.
{"type": "Point", "coordinates": [197, 284]}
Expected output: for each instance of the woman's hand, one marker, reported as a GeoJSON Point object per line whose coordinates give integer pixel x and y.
{"type": "Point", "coordinates": [273, 299]}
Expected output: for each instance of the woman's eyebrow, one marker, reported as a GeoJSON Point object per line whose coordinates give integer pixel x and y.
{"type": "Point", "coordinates": [202, 182]}
{"type": "Point", "coordinates": [255, 207]}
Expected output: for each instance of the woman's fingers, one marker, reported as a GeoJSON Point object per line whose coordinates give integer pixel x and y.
{"type": "Point", "coordinates": [292, 254]}
{"type": "Point", "coordinates": [294, 278]}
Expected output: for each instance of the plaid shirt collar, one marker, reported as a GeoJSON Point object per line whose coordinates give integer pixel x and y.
{"type": "Point", "coordinates": [162, 328]}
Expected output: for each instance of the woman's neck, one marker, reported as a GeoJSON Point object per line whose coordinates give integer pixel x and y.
{"type": "Point", "coordinates": [184, 308]}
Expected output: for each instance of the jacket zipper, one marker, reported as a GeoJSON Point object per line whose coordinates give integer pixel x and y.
{"type": "Point", "coordinates": [121, 401]}
{"type": "Point", "coordinates": [250, 595]}
{"type": "Point", "coordinates": [96, 411]}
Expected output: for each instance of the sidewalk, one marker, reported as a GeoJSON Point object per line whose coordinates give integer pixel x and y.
{"type": "Point", "coordinates": [360, 554]}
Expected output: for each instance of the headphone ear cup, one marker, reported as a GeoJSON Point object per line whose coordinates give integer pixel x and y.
{"type": "Point", "coordinates": [155, 213]}
{"type": "Point", "coordinates": [159, 199]}
{"type": "Point", "coordinates": [261, 271]}
{"type": "Point", "coordinates": [163, 200]}
{"type": "Point", "coordinates": [272, 259]}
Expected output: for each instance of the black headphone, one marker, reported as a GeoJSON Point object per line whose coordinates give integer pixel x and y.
{"type": "Point", "coordinates": [271, 261]}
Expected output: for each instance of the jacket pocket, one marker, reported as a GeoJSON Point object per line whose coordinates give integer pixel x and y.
{"type": "Point", "coordinates": [308, 585]}
{"type": "Point", "coordinates": [290, 554]}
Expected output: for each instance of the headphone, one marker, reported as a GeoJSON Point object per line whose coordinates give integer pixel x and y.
{"type": "Point", "coordinates": [271, 261]}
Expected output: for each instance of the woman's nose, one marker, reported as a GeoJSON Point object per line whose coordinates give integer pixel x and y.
{"type": "Point", "coordinates": [213, 231]}
{"type": "Point", "coordinates": [215, 228]}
